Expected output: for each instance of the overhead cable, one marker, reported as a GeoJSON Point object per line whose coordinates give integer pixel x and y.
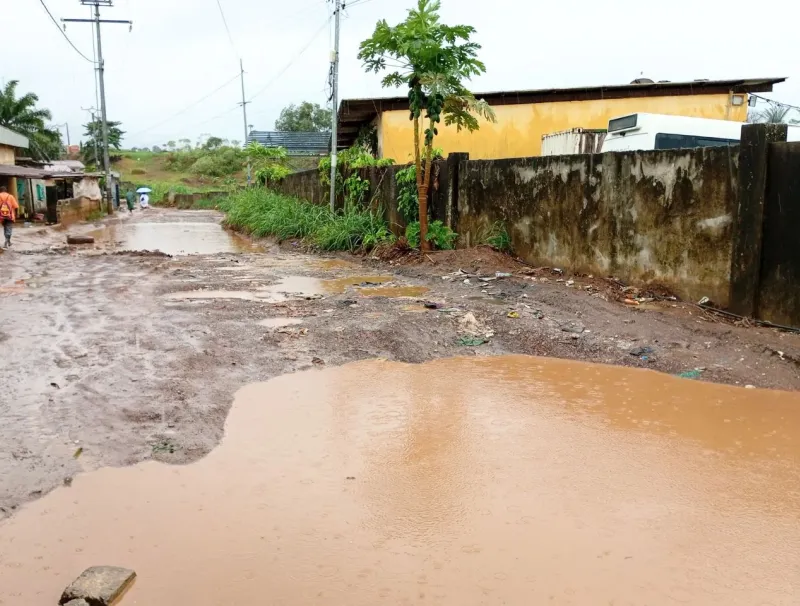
{"type": "Point", "coordinates": [63, 33]}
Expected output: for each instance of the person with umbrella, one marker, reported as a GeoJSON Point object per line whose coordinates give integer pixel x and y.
{"type": "Point", "coordinates": [144, 198]}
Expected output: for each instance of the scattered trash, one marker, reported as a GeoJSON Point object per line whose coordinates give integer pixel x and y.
{"type": "Point", "coordinates": [68, 481]}
{"type": "Point", "coordinates": [472, 341]}
{"type": "Point", "coordinates": [318, 361]}
{"type": "Point", "coordinates": [487, 279]}
{"type": "Point", "coordinates": [513, 314]}
{"type": "Point", "coordinates": [749, 386]}
{"type": "Point", "coordinates": [690, 374]}
{"type": "Point", "coordinates": [348, 302]}
{"type": "Point", "coordinates": [350, 478]}
{"type": "Point", "coordinates": [431, 305]}
{"type": "Point", "coordinates": [555, 270]}
{"type": "Point", "coordinates": [570, 282]}
{"type": "Point", "coordinates": [641, 351]}
{"type": "Point", "coordinates": [313, 297]}
{"type": "Point", "coordinates": [630, 302]}
{"type": "Point", "coordinates": [466, 281]}
{"type": "Point", "coordinates": [538, 314]}
{"type": "Point", "coordinates": [55, 385]}
{"type": "Point", "coordinates": [704, 301]}
{"type": "Point", "coordinates": [449, 310]}
{"type": "Point", "coordinates": [502, 274]}
{"type": "Point", "coordinates": [370, 284]}
{"type": "Point", "coordinates": [78, 453]}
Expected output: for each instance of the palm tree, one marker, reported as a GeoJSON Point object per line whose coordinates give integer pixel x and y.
{"type": "Point", "coordinates": [21, 115]}
{"type": "Point", "coordinates": [774, 113]}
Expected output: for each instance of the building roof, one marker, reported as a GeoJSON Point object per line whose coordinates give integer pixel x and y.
{"type": "Point", "coordinates": [296, 143]}
{"type": "Point", "coordinates": [25, 172]}
{"type": "Point", "coordinates": [355, 113]}
{"type": "Point", "coordinates": [12, 138]}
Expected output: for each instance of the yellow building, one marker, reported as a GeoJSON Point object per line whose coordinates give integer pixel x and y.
{"type": "Point", "coordinates": [523, 117]}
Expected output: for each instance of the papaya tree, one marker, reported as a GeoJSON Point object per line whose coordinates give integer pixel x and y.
{"type": "Point", "coordinates": [432, 60]}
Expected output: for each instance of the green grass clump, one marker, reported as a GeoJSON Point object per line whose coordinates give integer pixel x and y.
{"type": "Point", "coordinates": [265, 213]}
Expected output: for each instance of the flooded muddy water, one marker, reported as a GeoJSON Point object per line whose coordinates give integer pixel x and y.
{"type": "Point", "coordinates": [506, 480]}
{"type": "Point", "coordinates": [293, 287]}
{"type": "Point", "coordinates": [178, 238]}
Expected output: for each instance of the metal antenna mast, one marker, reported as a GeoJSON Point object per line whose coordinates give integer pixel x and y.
{"type": "Point", "coordinates": [101, 76]}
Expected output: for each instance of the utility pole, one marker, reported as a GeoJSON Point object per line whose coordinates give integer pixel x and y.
{"type": "Point", "coordinates": [101, 77]}
{"type": "Point", "coordinates": [244, 115]}
{"type": "Point", "coordinates": [335, 112]}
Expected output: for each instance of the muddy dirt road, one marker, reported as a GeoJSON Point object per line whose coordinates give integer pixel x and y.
{"type": "Point", "coordinates": [118, 357]}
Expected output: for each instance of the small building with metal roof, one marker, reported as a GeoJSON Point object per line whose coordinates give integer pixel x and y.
{"type": "Point", "coordinates": [295, 143]}
{"type": "Point", "coordinates": [525, 116]}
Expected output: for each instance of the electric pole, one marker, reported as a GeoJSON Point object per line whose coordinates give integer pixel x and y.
{"type": "Point", "coordinates": [335, 112]}
{"type": "Point", "coordinates": [244, 115]}
{"type": "Point", "coordinates": [101, 77]}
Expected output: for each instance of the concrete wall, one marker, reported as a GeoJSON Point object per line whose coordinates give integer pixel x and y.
{"type": "Point", "coordinates": [657, 216]}
{"type": "Point", "coordinates": [519, 128]}
{"type": "Point", "coordinates": [7, 154]}
{"type": "Point", "coordinates": [305, 185]}
{"type": "Point", "coordinates": [77, 209]}
{"type": "Point", "coordinates": [88, 187]}
{"type": "Point", "coordinates": [645, 217]}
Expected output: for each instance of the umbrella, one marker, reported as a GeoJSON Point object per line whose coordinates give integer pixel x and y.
{"type": "Point", "coordinates": [143, 190]}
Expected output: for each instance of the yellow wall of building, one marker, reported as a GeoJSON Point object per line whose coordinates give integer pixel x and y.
{"type": "Point", "coordinates": [6, 154]}
{"type": "Point", "coordinates": [519, 128]}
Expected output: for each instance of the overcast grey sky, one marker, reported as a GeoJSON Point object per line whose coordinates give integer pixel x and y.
{"type": "Point", "coordinates": [179, 51]}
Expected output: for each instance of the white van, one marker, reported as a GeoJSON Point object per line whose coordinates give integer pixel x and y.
{"type": "Point", "coordinates": [660, 131]}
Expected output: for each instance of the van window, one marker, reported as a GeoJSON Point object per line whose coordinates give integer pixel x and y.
{"type": "Point", "coordinates": [670, 141]}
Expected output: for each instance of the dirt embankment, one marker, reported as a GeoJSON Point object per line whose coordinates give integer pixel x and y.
{"type": "Point", "coordinates": [113, 362]}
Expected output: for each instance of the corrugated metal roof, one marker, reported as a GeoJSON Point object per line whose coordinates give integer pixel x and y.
{"type": "Point", "coordinates": [24, 172]}
{"type": "Point", "coordinates": [355, 113]}
{"type": "Point", "coordinates": [296, 143]}
{"type": "Point", "coordinates": [12, 138]}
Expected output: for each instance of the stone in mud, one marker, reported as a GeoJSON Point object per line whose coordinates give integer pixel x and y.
{"type": "Point", "coordinates": [80, 240]}
{"type": "Point", "coordinates": [98, 585]}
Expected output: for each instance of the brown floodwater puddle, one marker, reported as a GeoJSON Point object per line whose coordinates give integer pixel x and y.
{"type": "Point", "coordinates": [293, 287]}
{"type": "Point", "coordinates": [178, 238]}
{"type": "Point", "coordinates": [505, 480]}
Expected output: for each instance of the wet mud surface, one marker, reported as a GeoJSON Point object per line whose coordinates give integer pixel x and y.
{"type": "Point", "coordinates": [120, 357]}
{"type": "Point", "coordinates": [499, 480]}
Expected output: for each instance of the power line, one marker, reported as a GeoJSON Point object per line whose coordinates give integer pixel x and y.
{"type": "Point", "coordinates": [775, 102]}
{"type": "Point", "coordinates": [225, 23]}
{"type": "Point", "coordinates": [291, 61]}
{"type": "Point", "coordinates": [63, 33]}
{"type": "Point", "coordinates": [187, 108]}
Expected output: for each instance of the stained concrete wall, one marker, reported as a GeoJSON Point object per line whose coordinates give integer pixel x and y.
{"type": "Point", "coordinates": [304, 185]}
{"type": "Point", "coordinates": [88, 187]}
{"type": "Point", "coordinates": [76, 209]}
{"type": "Point", "coordinates": [658, 216]}
{"type": "Point", "coordinates": [645, 217]}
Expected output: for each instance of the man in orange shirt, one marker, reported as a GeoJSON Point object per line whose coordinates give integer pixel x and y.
{"type": "Point", "coordinates": [8, 212]}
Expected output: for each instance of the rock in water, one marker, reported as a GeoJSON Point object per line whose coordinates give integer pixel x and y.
{"type": "Point", "coordinates": [98, 586]}
{"type": "Point", "coordinates": [80, 240]}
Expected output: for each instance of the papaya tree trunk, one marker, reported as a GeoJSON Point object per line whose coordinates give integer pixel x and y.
{"type": "Point", "coordinates": [423, 198]}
